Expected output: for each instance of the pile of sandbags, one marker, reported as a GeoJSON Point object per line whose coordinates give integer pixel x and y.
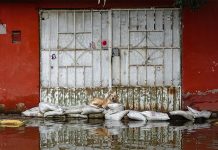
{"type": "Point", "coordinates": [113, 111]}
{"type": "Point", "coordinates": [50, 110]}
{"type": "Point", "coordinates": [191, 114]}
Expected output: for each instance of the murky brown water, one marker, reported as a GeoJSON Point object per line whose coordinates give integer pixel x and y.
{"type": "Point", "coordinates": [99, 134]}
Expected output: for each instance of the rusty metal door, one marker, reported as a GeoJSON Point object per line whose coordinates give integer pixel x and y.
{"type": "Point", "coordinates": [137, 52]}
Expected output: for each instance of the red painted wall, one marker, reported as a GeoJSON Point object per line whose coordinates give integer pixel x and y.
{"type": "Point", "coordinates": [200, 57]}
{"type": "Point", "coordinates": [19, 63]}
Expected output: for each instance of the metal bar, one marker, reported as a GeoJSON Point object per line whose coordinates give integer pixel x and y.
{"type": "Point", "coordinates": [92, 48]}
{"type": "Point", "coordinates": [57, 44]}
{"type": "Point", "coordinates": [74, 22]}
{"type": "Point", "coordinates": [83, 21]}
{"type": "Point", "coordinates": [145, 30]}
{"type": "Point", "coordinates": [49, 53]}
{"type": "Point", "coordinates": [140, 48]}
{"type": "Point", "coordinates": [146, 50]}
{"type": "Point", "coordinates": [128, 48]}
{"type": "Point", "coordinates": [110, 46]}
{"type": "Point", "coordinates": [67, 76]}
{"type": "Point", "coordinates": [105, 10]}
{"type": "Point", "coordinates": [84, 76]}
{"type": "Point", "coordinates": [163, 70]}
{"type": "Point", "coordinates": [172, 43]}
{"type": "Point", "coordinates": [141, 65]}
{"type": "Point", "coordinates": [75, 66]}
{"type": "Point", "coordinates": [101, 50]}
{"type": "Point", "coordinates": [120, 46]}
{"type": "Point", "coordinates": [85, 32]}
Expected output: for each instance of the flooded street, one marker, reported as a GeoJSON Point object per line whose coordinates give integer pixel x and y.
{"type": "Point", "coordinates": [39, 134]}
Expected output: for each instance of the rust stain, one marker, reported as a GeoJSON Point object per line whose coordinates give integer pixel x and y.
{"type": "Point", "coordinates": [134, 98]}
{"type": "Point", "coordinates": [172, 91]}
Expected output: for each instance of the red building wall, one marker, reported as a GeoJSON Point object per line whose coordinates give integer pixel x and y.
{"type": "Point", "coordinates": [19, 63]}
{"type": "Point", "coordinates": [200, 57]}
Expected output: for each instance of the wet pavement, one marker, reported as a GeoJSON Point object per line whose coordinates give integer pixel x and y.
{"type": "Point", "coordinates": [40, 134]}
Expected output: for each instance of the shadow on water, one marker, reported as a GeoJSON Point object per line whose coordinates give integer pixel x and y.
{"type": "Point", "coordinates": [39, 134]}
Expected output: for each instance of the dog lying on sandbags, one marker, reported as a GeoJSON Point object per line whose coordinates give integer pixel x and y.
{"type": "Point", "coordinates": [110, 97]}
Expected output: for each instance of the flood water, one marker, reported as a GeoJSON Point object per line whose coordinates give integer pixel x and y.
{"type": "Point", "coordinates": [39, 134]}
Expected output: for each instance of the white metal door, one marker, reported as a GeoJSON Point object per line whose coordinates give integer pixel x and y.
{"type": "Point", "coordinates": [149, 45]}
{"type": "Point", "coordinates": [103, 48]}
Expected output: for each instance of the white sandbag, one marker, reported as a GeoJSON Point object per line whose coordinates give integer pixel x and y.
{"type": "Point", "coordinates": [44, 107]}
{"type": "Point", "coordinates": [33, 112]}
{"type": "Point", "coordinates": [116, 116]}
{"type": "Point", "coordinates": [115, 106]}
{"type": "Point", "coordinates": [155, 116]}
{"type": "Point", "coordinates": [185, 114]}
{"type": "Point", "coordinates": [54, 113]}
{"type": "Point", "coordinates": [91, 110]}
{"type": "Point", "coordinates": [135, 115]}
{"type": "Point", "coordinates": [198, 114]}
{"type": "Point", "coordinates": [77, 116]}
{"type": "Point", "coordinates": [74, 109]}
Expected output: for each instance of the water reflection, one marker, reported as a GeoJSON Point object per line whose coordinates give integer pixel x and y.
{"type": "Point", "coordinates": [100, 134]}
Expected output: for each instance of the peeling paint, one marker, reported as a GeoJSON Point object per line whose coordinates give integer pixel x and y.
{"type": "Point", "coordinates": [200, 93]}
{"type": "Point", "coordinates": [135, 98]}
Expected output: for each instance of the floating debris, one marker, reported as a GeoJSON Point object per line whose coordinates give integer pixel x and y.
{"type": "Point", "coordinates": [11, 123]}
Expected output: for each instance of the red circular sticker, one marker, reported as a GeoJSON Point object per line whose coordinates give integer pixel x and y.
{"type": "Point", "coordinates": [104, 43]}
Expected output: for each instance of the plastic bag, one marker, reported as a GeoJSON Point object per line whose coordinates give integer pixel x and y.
{"type": "Point", "coordinates": [198, 114]}
{"type": "Point", "coordinates": [33, 112]}
{"type": "Point", "coordinates": [152, 115]}
{"type": "Point", "coordinates": [116, 116]}
{"type": "Point", "coordinates": [91, 110]}
{"type": "Point", "coordinates": [44, 107]}
{"type": "Point", "coordinates": [135, 115]}
{"type": "Point", "coordinates": [54, 113]}
{"type": "Point", "coordinates": [185, 114]}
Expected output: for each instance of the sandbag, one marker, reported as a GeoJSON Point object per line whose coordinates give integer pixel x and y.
{"type": "Point", "coordinates": [54, 113]}
{"type": "Point", "coordinates": [91, 110]}
{"type": "Point", "coordinates": [155, 116]}
{"type": "Point", "coordinates": [115, 106]}
{"type": "Point", "coordinates": [116, 116]}
{"type": "Point", "coordinates": [74, 109]}
{"type": "Point", "coordinates": [185, 114]}
{"type": "Point", "coordinates": [77, 116]}
{"type": "Point", "coordinates": [33, 112]}
{"type": "Point", "coordinates": [44, 107]}
{"type": "Point", "coordinates": [135, 115]}
{"type": "Point", "coordinates": [198, 114]}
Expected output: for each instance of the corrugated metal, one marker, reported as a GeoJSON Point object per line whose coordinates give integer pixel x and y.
{"type": "Point", "coordinates": [137, 98]}
{"type": "Point", "coordinates": [147, 45]}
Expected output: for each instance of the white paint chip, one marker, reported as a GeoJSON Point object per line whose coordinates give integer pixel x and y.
{"type": "Point", "coordinates": [3, 29]}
